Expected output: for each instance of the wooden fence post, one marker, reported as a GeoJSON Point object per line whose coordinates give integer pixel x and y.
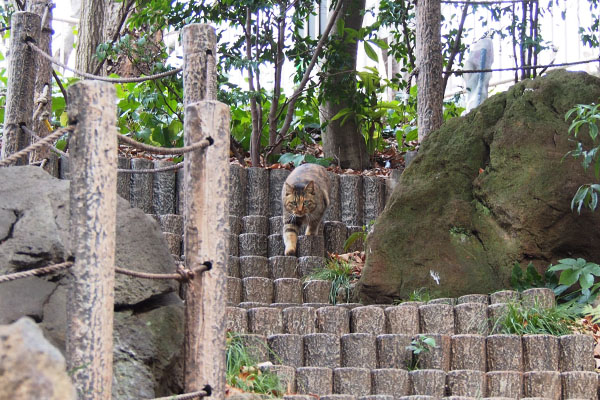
{"type": "Point", "coordinates": [206, 217]}
{"type": "Point", "coordinates": [90, 303]}
{"type": "Point", "coordinates": [199, 65]}
{"type": "Point", "coordinates": [21, 78]}
{"type": "Point", "coordinates": [42, 108]}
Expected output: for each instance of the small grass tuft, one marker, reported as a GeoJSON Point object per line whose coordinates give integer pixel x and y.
{"type": "Point", "coordinates": [340, 273]}
{"type": "Point", "coordinates": [243, 372]}
{"type": "Point", "coordinates": [523, 320]}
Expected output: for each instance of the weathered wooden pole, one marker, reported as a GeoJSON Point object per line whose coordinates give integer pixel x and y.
{"type": "Point", "coordinates": [199, 67]}
{"type": "Point", "coordinates": [21, 79]}
{"type": "Point", "coordinates": [42, 107]}
{"type": "Point", "coordinates": [206, 214]}
{"type": "Point", "coordinates": [93, 166]}
{"type": "Point", "coordinates": [206, 222]}
{"type": "Point", "coordinates": [429, 64]}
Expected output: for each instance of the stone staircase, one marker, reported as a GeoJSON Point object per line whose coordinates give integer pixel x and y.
{"type": "Point", "coordinates": [350, 351]}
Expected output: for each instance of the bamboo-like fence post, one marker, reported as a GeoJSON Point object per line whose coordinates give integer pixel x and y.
{"type": "Point", "coordinates": [430, 95]}
{"type": "Point", "coordinates": [90, 304]}
{"type": "Point", "coordinates": [42, 107]}
{"type": "Point", "coordinates": [21, 78]}
{"type": "Point", "coordinates": [199, 66]}
{"type": "Point", "coordinates": [206, 222]}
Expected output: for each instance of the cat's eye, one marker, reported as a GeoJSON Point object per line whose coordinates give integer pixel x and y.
{"type": "Point", "coordinates": [293, 204]}
{"type": "Point", "coordinates": [305, 203]}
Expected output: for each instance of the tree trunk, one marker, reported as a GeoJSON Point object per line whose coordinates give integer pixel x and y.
{"type": "Point", "coordinates": [91, 27]}
{"type": "Point", "coordinates": [345, 143]}
{"type": "Point", "coordinates": [430, 96]}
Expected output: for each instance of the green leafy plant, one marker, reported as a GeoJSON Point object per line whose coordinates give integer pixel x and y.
{"type": "Point", "coordinates": [420, 345]}
{"type": "Point", "coordinates": [358, 235]}
{"type": "Point", "coordinates": [586, 115]}
{"type": "Point", "coordinates": [522, 320]}
{"type": "Point", "coordinates": [575, 271]}
{"type": "Point", "coordinates": [530, 278]}
{"type": "Point", "coordinates": [242, 371]}
{"type": "Point", "coordinates": [341, 275]}
{"type": "Point", "coordinates": [420, 294]}
{"type": "Point", "coordinates": [298, 159]}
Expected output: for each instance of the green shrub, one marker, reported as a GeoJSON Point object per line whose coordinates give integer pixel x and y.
{"type": "Point", "coordinates": [522, 320]}
{"type": "Point", "coordinates": [243, 373]}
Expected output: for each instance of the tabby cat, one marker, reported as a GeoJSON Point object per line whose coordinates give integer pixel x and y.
{"type": "Point", "coordinates": [305, 197]}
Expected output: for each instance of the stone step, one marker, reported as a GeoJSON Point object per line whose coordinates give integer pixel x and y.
{"type": "Point", "coordinates": [355, 199]}
{"type": "Point", "coordinates": [352, 383]}
{"type": "Point", "coordinates": [408, 318]}
{"type": "Point", "coordinates": [496, 353]}
{"type": "Point", "coordinates": [278, 291]}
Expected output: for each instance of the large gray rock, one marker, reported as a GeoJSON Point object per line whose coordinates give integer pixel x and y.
{"type": "Point", "coordinates": [487, 190]}
{"type": "Point", "coordinates": [31, 368]}
{"type": "Point", "coordinates": [34, 232]}
{"type": "Point", "coordinates": [146, 347]}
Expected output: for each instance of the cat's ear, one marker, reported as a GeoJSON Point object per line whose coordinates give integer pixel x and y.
{"type": "Point", "coordinates": [310, 187]}
{"type": "Point", "coordinates": [288, 188]}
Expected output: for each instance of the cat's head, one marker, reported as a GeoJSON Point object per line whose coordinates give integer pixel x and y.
{"type": "Point", "coordinates": [300, 200]}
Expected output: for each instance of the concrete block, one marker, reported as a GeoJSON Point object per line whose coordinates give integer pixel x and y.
{"type": "Point", "coordinates": [333, 319]}
{"type": "Point", "coordinates": [164, 189]}
{"type": "Point", "coordinates": [257, 191]}
{"type": "Point", "coordinates": [540, 352]}
{"type": "Point", "coordinates": [252, 244]}
{"type": "Point", "coordinates": [314, 380]}
{"type": "Point", "coordinates": [471, 318]}
{"type": "Point", "coordinates": [234, 245]}
{"type": "Point", "coordinates": [351, 199]}
{"type": "Point", "coordinates": [286, 375]}
{"type": "Point", "coordinates": [256, 346]}
{"type": "Point", "coordinates": [367, 319]}
{"type": "Point", "coordinates": [352, 381]}
{"type": "Point", "coordinates": [334, 211]}
{"type": "Point", "coordinates": [316, 291]}
{"type": "Point", "coordinates": [255, 224]}
{"type": "Point", "coordinates": [265, 321]}
{"type": "Point", "coordinates": [335, 234]}
{"type": "Point", "coordinates": [544, 384]}
{"type": "Point", "coordinates": [358, 350]}
{"type": "Point", "coordinates": [123, 179]}
{"type": "Point", "coordinates": [473, 298]}
{"type": "Point", "coordinates": [234, 291]}
{"type": "Point", "coordinates": [374, 197]}
{"type": "Point", "coordinates": [299, 320]}
{"type": "Point", "coordinates": [275, 245]}
{"type": "Point", "coordinates": [276, 179]}
{"type": "Point", "coordinates": [436, 318]}
{"type": "Point", "coordinates": [358, 243]}
{"type": "Point", "coordinates": [286, 349]}
{"type": "Point", "coordinates": [310, 246]}
{"type": "Point", "coordinates": [392, 351]}
{"type": "Point", "coordinates": [576, 353]}
{"type": "Point", "coordinates": [256, 289]}
{"type": "Point", "coordinates": [579, 384]}
{"type": "Point", "coordinates": [306, 265]}
{"type": "Point", "coordinates": [390, 381]}
{"type": "Point", "coordinates": [237, 320]}
{"type": "Point", "coordinates": [437, 357]}
{"type": "Point", "coordinates": [468, 352]}
{"type": "Point", "coordinates": [403, 318]}
{"type": "Point", "coordinates": [238, 182]}
{"type": "Point", "coordinates": [287, 290]}
{"type": "Point", "coordinates": [141, 186]}
{"type": "Point", "coordinates": [504, 353]}
{"type": "Point", "coordinates": [504, 296]}
{"type": "Point", "coordinates": [254, 266]}
{"type": "Point", "coordinates": [283, 267]}
{"type": "Point", "coordinates": [235, 225]}
{"type": "Point", "coordinates": [507, 384]}
{"type": "Point", "coordinates": [541, 298]}
{"type": "Point", "coordinates": [428, 382]}
{"type": "Point", "coordinates": [466, 383]}
{"type": "Point", "coordinates": [321, 350]}
{"type": "Point", "coordinates": [233, 266]}
{"type": "Point", "coordinates": [275, 225]}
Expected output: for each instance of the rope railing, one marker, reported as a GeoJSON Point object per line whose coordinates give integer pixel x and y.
{"type": "Point", "coordinates": [151, 170]}
{"type": "Point", "coordinates": [33, 147]}
{"type": "Point", "coordinates": [101, 78]}
{"type": "Point", "coordinates": [565, 64]}
{"type": "Point", "coordinates": [187, 396]}
{"type": "Point", "coordinates": [47, 144]}
{"type": "Point", "coordinates": [166, 150]}
{"type": "Point", "coordinates": [182, 274]}
{"type": "Point", "coordinates": [50, 269]}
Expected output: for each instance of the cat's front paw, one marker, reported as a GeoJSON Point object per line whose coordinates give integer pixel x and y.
{"type": "Point", "coordinates": [290, 251]}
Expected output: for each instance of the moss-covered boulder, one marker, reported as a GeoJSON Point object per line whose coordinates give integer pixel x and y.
{"type": "Point", "coordinates": [487, 190]}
